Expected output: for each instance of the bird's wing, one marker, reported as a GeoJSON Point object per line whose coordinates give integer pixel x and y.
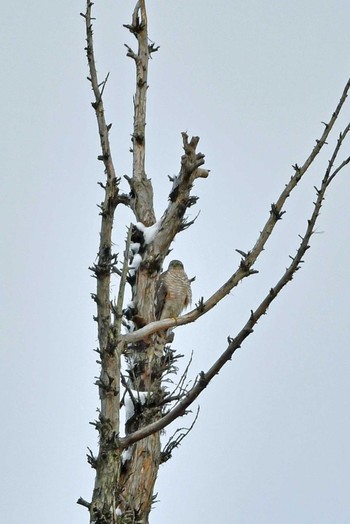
{"type": "Point", "coordinates": [161, 293]}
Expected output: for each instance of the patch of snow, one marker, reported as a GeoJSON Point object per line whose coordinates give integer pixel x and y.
{"type": "Point", "coordinates": [135, 263]}
{"type": "Point", "coordinates": [176, 182]}
{"type": "Point", "coordinates": [150, 232]}
{"type": "Point", "coordinates": [129, 407]}
{"type": "Point", "coordinates": [134, 247]}
{"type": "Point", "coordinates": [139, 396]}
{"type": "Point", "coordinates": [142, 396]}
{"type": "Point", "coordinates": [126, 454]}
{"type": "Point", "coordinates": [129, 325]}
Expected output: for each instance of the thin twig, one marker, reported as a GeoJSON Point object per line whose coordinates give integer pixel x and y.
{"type": "Point", "coordinates": [175, 442]}
{"type": "Point", "coordinates": [128, 389]}
{"type": "Point", "coordinates": [340, 141]}
{"type": "Point", "coordinates": [180, 385]}
{"type": "Point", "coordinates": [122, 283]}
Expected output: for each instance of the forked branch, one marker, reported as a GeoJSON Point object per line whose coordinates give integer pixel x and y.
{"type": "Point", "coordinates": [180, 199]}
{"type": "Point", "coordinates": [235, 343]}
{"type": "Point", "coordinates": [245, 268]}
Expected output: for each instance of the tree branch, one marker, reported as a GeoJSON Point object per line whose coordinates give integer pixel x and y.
{"type": "Point", "coordinates": [235, 343]}
{"type": "Point", "coordinates": [141, 187]}
{"type": "Point", "coordinates": [248, 259]}
{"type": "Point", "coordinates": [340, 141]}
{"type": "Point", "coordinates": [98, 104]}
{"type": "Point", "coordinates": [175, 441]}
{"type": "Point", "coordinates": [107, 463]}
{"type": "Point", "coordinates": [123, 279]}
{"type": "Point", "coordinates": [83, 502]}
{"type": "Point", "coordinates": [172, 220]}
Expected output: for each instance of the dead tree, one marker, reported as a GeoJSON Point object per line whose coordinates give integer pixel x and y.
{"type": "Point", "coordinates": [128, 460]}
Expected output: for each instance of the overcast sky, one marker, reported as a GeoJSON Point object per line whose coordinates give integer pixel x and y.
{"type": "Point", "coordinates": [254, 80]}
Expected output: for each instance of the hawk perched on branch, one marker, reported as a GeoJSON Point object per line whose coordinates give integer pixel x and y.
{"type": "Point", "coordinates": [173, 291]}
{"type": "Point", "coordinates": [173, 295]}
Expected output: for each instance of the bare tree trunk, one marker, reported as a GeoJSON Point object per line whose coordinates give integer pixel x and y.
{"type": "Point", "coordinates": [139, 472]}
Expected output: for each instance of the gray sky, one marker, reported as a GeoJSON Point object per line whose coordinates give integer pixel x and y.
{"type": "Point", "coordinates": [254, 80]}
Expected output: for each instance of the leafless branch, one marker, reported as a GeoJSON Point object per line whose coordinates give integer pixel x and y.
{"type": "Point", "coordinates": [340, 141]}
{"type": "Point", "coordinates": [127, 388]}
{"type": "Point", "coordinates": [83, 502]}
{"type": "Point", "coordinates": [123, 279]}
{"type": "Point", "coordinates": [248, 259]}
{"type": "Point", "coordinates": [176, 439]}
{"type": "Point", "coordinates": [107, 467]}
{"type": "Point", "coordinates": [140, 185]}
{"type": "Point", "coordinates": [98, 103]}
{"type": "Point", "coordinates": [235, 343]}
{"type": "Point", "coordinates": [181, 387]}
{"type": "Point", "coordinates": [172, 220]}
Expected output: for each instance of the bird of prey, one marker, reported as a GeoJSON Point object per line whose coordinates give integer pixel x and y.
{"type": "Point", "coordinates": [173, 295]}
